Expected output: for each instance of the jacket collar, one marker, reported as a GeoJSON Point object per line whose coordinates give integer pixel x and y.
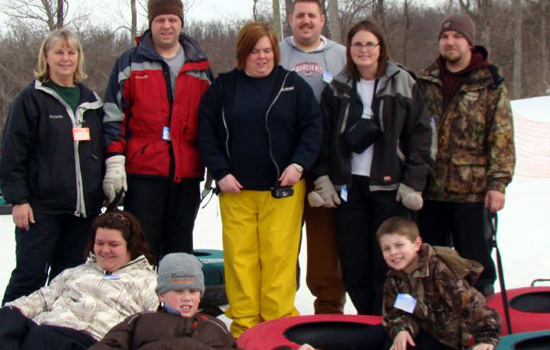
{"type": "Point", "coordinates": [193, 52]}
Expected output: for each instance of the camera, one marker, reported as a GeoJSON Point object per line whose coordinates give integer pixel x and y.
{"type": "Point", "coordinates": [282, 192]}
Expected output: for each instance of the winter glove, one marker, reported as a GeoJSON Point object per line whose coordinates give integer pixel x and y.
{"type": "Point", "coordinates": [409, 197]}
{"type": "Point", "coordinates": [115, 176]}
{"type": "Point", "coordinates": [315, 200]}
{"type": "Point", "coordinates": [324, 187]}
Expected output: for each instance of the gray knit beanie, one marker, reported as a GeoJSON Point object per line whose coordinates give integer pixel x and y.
{"type": "Point", "coordinates": [164, 7]}
{"type": "Point", "coordinates": [180, 271]}
{"type": "Point", "coordinates": [461, 23]}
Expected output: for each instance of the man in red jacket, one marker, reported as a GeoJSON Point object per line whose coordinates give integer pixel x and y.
{"type": "Point", "coordinates": [150, 125]}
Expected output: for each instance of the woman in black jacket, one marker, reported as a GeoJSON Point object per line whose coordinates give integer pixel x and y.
{"type": "Point", "coordinates": [374, 160]}
{"type": "Point", "coordinates": [51, 166]}
{"type": "Point", "coordinates": [259, 129]}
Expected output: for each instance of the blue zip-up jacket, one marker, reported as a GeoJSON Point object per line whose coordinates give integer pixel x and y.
{"type": "Point", "coordinates": [293, 123]}
{"type": "Point", "coordinates": [41, 163]}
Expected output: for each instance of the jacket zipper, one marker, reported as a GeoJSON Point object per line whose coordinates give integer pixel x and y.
{"type": "Point", "coordinates": [76, 121]}
{"type": "Point", "coordinates": [267, 128]}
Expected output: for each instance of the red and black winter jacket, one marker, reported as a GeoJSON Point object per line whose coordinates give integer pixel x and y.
{"type": "Point", "coordinates": [139, 106]}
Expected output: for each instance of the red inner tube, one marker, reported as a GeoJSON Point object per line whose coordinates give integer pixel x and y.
{"type": "Point", "coordinates": [529, 309]}
{"type": "Point", "coordinates": [323, 331]}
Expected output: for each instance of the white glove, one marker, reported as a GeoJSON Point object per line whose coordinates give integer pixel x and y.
{"type": "Point", "coordinates": [324, 187]}
{"type": "Point", "coordinates": [115, 176]}
{"type": "Point", "coordinates": [409, 197]}
{"type": "Point", "coordinates": [315, 200]}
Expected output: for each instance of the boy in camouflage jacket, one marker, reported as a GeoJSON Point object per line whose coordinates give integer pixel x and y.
{"type": "Point", "coordinates": [439, 303]}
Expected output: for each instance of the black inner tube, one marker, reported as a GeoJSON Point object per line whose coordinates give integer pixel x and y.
{"type": "Point", "coordinates": [537, 302]}
{"type": "Point", "coordinates": [326, 335]}
{"type": "Point", "coordinates": [537, 343]}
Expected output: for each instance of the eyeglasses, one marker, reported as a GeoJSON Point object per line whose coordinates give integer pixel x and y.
{"type": "Point", "coordinates": [369, 46]}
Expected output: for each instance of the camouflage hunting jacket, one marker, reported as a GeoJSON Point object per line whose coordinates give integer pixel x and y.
{"type": "Point", "coordinates": [447, 307]}
{"type": "Point", "coordinates": [475, 148]}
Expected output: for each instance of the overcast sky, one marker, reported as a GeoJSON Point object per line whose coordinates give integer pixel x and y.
{"type": "Point", "coordinates": [116, 13]}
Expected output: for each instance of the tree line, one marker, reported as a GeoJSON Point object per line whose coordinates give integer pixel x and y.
{"type": "Point", "coordinates": [514, 31]}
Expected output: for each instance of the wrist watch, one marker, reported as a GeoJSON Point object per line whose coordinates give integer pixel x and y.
{"type": "Point", "coordinates": [298, 167]}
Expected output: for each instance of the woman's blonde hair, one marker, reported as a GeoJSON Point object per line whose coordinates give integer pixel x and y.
{"type": "Point", "coordinates": [42, 72]}
{"type": "Point", "coordinates": [248, 38]}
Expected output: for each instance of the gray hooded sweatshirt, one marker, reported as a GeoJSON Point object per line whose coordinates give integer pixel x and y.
{"type": "Point", "coordinates": [329, 57]}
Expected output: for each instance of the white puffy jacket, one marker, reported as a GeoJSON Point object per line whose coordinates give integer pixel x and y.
{"type": "Point", "coordinates": [87, 299]}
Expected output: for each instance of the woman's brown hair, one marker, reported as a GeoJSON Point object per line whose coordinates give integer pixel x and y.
{"type": "Point", "coordinates": [384, 57]}
{"type": "Point", "coordinates": [248, 38]}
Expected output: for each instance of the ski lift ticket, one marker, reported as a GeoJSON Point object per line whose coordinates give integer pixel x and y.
{"type": "Point", "coordinates": [405, 302]}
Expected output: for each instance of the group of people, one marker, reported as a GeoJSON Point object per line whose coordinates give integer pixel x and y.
{"type": "Point", "coordinates": [305, 130]}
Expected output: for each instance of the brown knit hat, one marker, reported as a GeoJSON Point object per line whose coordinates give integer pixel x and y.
{"type": "Point", "coordinates": [461, 23]}
{"type": "Point", "coordinates": [164, 7]}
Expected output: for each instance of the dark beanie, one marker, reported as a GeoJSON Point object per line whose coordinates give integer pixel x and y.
{"type": "Point", "coordinates": [164, 7]}
{"type": "Point", "coordinates": [460, 23]}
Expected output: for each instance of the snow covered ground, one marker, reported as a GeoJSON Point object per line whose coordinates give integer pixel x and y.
{"type": "Point", "coordinates": [523, 231]}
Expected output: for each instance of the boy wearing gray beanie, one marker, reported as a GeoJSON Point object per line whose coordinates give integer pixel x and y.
{"type": "Point", "coordinates": [176, 324]}
{"type": "Point", "coordinates": [180, 271]}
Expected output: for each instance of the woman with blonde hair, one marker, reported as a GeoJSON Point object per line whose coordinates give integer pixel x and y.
{"type": "Point", "coordinates": [51, 167]}
{"type": "Point", "coordinates": [259, 130]}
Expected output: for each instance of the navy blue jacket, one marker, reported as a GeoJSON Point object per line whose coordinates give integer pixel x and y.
{"type": "Point", "coordinates": [293, 124]}
{"type": "Point", "coordinates": [41, 163]}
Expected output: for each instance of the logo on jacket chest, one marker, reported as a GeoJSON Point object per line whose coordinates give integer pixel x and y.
{"type": "Point", "coordinates": [472, 96]}
{"type": "Point", "coordinates": [308, 68]}
{"type": "Point", "coordinates": [56, 116]}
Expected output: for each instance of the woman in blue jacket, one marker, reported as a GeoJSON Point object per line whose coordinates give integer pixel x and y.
{"type": "Point", "coordinates": [52, 165]}
{"type": "Point", "coordinates": [259, 129]}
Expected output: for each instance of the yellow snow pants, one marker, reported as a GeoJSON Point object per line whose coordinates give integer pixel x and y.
{"type": "Point", "coordinates": [261, 237]}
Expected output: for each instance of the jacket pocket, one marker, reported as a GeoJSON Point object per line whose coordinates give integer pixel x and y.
{"type": "Point", "coordinates": [468, 173]}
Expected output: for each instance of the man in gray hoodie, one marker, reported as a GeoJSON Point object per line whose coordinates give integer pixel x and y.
{"type": "Point", "coordinates": [317, 59]}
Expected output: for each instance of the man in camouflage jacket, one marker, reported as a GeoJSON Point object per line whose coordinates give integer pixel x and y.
{"type": "Point", "coordinates": [476, 157]}
{"type": "Point", "coordinates": [447, 307]}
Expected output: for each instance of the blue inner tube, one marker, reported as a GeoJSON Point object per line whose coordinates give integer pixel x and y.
{"type": "Point", "coordinates": [214, 276]}
{"type": "Point", "coordinates": [536, 343]}
{"type": "Point", "coordinates": [525, 341]}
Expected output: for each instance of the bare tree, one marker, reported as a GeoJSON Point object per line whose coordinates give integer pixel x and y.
{"type": "Point", "coordinates": [334, 20]}
{"type": "Point", "coordinates": [480, 11]}
{"type": "Point", "coordinates": [381, 15]}
{"type": "Point", "coordinates": [133, 27]}
{"type": "Point", "coordinates": [47, 14]}
{"type": "Point", "coordinates": [406, 30]}
{"type": "Point", "coordinates": [255, 10]}
{"type": "Point", "coordinates": [60, 14]}
{"type": "Point", "coordinates": [544, 47]}
{"type": "Point", "coordinates": [277, 19]}
{"type": "Point", "coordinates": [517, 8]}
{"type": "Point", "coordinates": [288, 11]}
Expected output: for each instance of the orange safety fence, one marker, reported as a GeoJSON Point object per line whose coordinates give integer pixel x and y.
{"type": "Point", "coordinates": [532, 141]}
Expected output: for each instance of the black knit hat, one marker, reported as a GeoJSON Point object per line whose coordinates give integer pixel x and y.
{"type": "Point", "coordinates": [164, 7]}
{"type": "Point", "coordinates": [461, 23]}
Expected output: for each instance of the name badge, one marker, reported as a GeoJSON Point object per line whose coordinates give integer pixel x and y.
{"type": "Point", "coordinates": [166, 134]}
{"type": "Point", "coordinates": [81, 134]}
{"type": "Point", "coordinates": [405, 302]}
{"type": "Point", "coordinates": [327, 77]}
{"type": "Point", "coordinates": [111, 277]}
{"type": "Point", "coordinates": [344, 193]}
